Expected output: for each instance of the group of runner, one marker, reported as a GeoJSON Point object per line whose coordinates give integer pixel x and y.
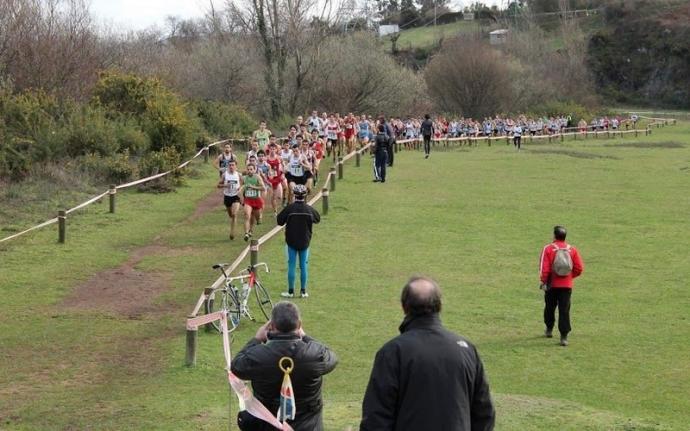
{"type": "Point", "coordinates": [273, 167]}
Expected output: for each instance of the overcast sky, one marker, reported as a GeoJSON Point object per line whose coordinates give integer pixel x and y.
{"type": "Point", "coordinates": [140, 14]}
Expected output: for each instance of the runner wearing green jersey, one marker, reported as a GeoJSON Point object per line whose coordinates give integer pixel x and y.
{"type": "Point", "coordinates": [252, 187]}
{"type": "Point", "coordinates": [262, 136]}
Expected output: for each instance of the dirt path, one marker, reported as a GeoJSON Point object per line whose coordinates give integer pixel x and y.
{"type": "Point", "coordinates": [130, 292]}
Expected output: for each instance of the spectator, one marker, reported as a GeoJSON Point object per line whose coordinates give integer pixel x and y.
{"type": "Point", "coordinates": [560, 263]}
{"type": "Point", "coordinates": [380, 154]}
{"type": "Point", "coordinates": [427, 129]}
{"type": "Point", "coordinates": [283, 336]}
{"type": "Point", "coordinates": [427, 378]}
{"type": "Point", "coordinates": [298, 218]}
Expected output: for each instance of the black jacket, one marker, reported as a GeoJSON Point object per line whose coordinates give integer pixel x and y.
{"type": "Point", "coordinates": [381, 142]}
{"type": "Point", "coordinates": [258, 362]}
{"type": "Point", "coordinates": [427, 378]}
{"type": "Point", "coordinates": [299, 218]}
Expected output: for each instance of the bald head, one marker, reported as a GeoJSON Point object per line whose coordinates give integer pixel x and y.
{"type": "Point", "coordinates": [421, 296]}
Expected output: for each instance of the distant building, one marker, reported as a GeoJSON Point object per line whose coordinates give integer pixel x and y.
{"type": "Point", "coordinates": [385, 30]}
{"type": "Point", "coordinates": [498, 37]}
{"type": "Point", "coordinates": [468, 16]}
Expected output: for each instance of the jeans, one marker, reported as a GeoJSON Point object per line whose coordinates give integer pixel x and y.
{"type": "Point", "coordinates": [303, 256]}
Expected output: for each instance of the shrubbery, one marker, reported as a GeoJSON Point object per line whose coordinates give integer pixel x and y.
{"type": "Point", "coordinates": [132, 126]}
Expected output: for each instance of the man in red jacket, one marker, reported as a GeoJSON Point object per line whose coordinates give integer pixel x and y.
{"type": "Point", "coordinates": [560, 263]}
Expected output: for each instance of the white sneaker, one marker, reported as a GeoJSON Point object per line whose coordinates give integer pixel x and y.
{"type": "Point", "coordinates": [287, 295]}
{"type": "Point", "coordinates": [304, 295]}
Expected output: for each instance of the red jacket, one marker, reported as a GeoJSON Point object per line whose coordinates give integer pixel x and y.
{"type": "Point", "coordinates": [546, 260]}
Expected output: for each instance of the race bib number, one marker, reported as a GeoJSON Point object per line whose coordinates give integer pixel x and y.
{"type": "Point", "coordinates": [251, 193]}
{"type": "Point", "coordinates": [233, 186]}
{"type": "Point", "coordinates": [296, 169]}
{"type": "Point", "coordinates": [332, 135]}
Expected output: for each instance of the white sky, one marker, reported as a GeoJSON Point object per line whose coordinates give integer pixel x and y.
{"type": "Point", "coordinates": [140, 14]}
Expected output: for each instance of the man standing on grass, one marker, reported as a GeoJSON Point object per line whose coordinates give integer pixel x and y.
{"type": "Point", "coordinates": [559, 265]}
{"type": "Point", "coordinates": [380, 154]}
{"type": "Point", "coordinates": [427, 130]}
{"type": "Point", "coordinates": [298, 218]}
{"type": "Point", "coordinates": [283, 336]}
{"type": "Point", "coordinates": [427, 378]}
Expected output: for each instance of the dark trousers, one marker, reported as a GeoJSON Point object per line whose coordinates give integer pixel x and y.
{"type": "Point", "coordinates": [427, 144]}
{"type": "Point", "coordinates": [557, 298]}
{"type": "Point", "coordinates": [391, 151]}
{"type": "Point", "coordinates": [380, 161]}
{"type": "Point", "coordinates": [516, 141]}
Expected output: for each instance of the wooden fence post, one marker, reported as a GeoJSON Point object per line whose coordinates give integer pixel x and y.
{"type": "Point", "coordinates": [636, 133]}
{"type": "Point", "coordinates": [190, 351]}
{"type": "Point", "coordinates": [562, 137]}
{"type": "Point", "coordinates": [208, 291]}
{"type": "Point", "coordinates": [206, 154]}
{"type": "Point", "coordinates": [324, 201]}
{"type": "Point", "coordinates": [254, 252]}
{"type": "Point", "coordinates": [112, 193]}
{"type": "Point", "coordinates": [340, 168]}
{"type": "Point", "coordinates": [62, 222]}
{"type": "Point", "coordinates": [332, 172]}
{"type": "Point", "coordinates": [358, 157]}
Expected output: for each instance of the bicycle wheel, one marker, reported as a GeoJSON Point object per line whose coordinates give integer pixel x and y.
{"type": "Point", "coordinates": [263, 299]}
{"type": "Point", "coordinates": [228, 302]}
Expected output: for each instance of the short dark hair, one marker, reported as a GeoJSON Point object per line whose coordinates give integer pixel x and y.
{"type": "Point", "coordinates": [427, 116]}
{"type": "Point", "coordinates": [285, 317]}
{"type": "Point", "coordinates": [559, 232]}
{"type": "Point", "coordinates": [382, 128]}
{"type": "Point", "coordinates": [417, 301]}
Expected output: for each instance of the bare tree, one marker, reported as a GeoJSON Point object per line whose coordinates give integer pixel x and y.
{"type": "Point", "coordinates": [469, 78]}
{"type": "Point", "coordinates": [290, 33]}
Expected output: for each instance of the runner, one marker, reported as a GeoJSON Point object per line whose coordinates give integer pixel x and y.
{"type": "Point", "coordinates": [231, 182]}
{"type": "Point", "coordinates": [349, 132]}
{"type": "Point", "coordinates": [224, 159]}
{"type": "Point", "coordinates": [262, 169]}
{"type": "Point", "coordinates": [317, 147]}
{"type": "Point", "coordinates": [314, 122]}
{"type": "Point", "coordinates": [262, 135]}
{"type": "Point", "coordinates": [332, 131]}
{"type": "Point", "coordinates": [296, 171]}
{"type": "Point", "coordinates": [275, 178]}
{"type": "Point", "coordinates": [252, 151]}
{"type": "Point", "coordinates": [363, 129]}
{"type": "Point", "coordinates": [252, 186]}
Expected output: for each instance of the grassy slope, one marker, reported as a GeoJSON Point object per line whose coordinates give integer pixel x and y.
{"type": "Point", "coordinates": [424, 37]}
{"type": "Point", "coordinates": [476, 221]}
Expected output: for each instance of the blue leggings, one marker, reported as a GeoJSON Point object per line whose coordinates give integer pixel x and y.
{"type": "Point", "coordinates": [303, 268]}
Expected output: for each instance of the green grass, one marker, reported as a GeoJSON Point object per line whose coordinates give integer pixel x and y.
{"type": "Point", "coordinates": [425, 37]}
{"type": "Point", "coordinates": [473, 218]}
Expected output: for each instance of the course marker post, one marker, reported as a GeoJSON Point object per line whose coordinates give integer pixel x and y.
{"type": "Point", "coordinates": [324, 201]}
{"type": "Point", "coordinates": [62, 222]}
{"type": "Point", "coordinates": [192, 343]}
{"type": "Point", "coordinates": [207, 293]}
{"type": "Point", "coordinates": [332, 173]}
{"type": "Point", "coordinates": [562, 137]}
{"type": "Point", "coordinates": [254, 252]}
{"type": "Point", "coordinates": [206, 149]}
{"type": "Point", "coordinates": [112, 193]}
{"type": "Point", "coordinates": [358, 156]}
{"type": "Point", "coordinates": [340, 168]}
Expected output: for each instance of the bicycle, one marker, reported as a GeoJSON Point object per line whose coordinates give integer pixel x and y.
{"type": "Point", "coordinates": [233, 300]}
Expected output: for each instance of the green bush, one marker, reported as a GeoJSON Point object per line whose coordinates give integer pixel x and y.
{"type": "Point", "coordinates": [157, 162]}
{"type": "Point", "coordinates": [131, 138]}
{"type": "Point", "coordinates": [89, 131]}
{"type": "Point", "coordinates": [225, 121]}
{"type": "Point", "coordinates": [115, 169]}
{"type": "Point", "coordinates": [572, 109]}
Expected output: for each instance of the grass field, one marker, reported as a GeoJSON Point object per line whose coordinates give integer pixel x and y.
{"type": "Point", "coordinates": [424, 37]}
{"type": "Point", "coordinates": [473, 218]}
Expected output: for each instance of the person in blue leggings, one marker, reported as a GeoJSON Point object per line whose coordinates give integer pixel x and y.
{"type": "Point", "coordinates": [298, 218]}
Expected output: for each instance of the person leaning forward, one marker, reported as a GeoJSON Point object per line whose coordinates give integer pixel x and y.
{"type": "Point", "coordinates": [427, 378]}
{"type": "Point", "coordinates": [283, 336]}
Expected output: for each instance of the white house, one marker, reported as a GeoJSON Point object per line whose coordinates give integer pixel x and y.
{"type": "Point", "coordinates": [498, 37]}
{"type": "Point", "coordinates": [385, 30]}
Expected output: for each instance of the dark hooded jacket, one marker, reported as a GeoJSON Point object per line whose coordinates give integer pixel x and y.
{"type": "Point", "coordinates": [427, 378]}
{"type": "Point", "coordinates": [258, 362]}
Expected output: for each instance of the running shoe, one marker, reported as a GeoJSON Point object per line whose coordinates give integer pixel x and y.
{"type": "Point", "coordinates": [304, 295]}
{"type": "Point", "coordinates": [287, 295]}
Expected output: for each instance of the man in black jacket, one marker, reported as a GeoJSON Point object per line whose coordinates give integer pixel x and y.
{"type": "Point", "coordinates": [298, 218]}
{"type": "Point", "coordinates": [427, 378]}
{"type": "Point", "coordinates": [283, 336]}
{"type": "Point", "coordinates": [381, 154]}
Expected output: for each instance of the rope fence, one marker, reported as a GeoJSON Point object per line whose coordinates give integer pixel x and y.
{"type": "Point", "coordinates": [112, 191]}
